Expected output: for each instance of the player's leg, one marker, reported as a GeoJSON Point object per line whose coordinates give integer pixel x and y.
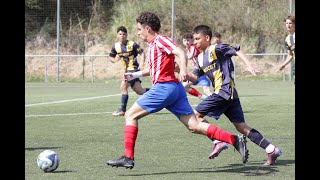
{"type": "Point", "coordinates": [182, 109]}
{"type": "Point", "coordinates": [235, 115]}
{"type": "Point", "coordinates": [154, 100]}
{"type": "Point", "coordinates": [213, 106]}
{"type": "Point", "coordinates": [124, 99]}
{"type": "Point", "coordinates": [137, 87]}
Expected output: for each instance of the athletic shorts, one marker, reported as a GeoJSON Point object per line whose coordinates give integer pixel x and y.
{"type": "Point", "coordinates": [214, 105]}
{"type": "Point", "coordinates": [169, 95]}
{"type": "Point", "coordinates": [203, 80]}
{"type": "Point", "coordinates": [133, 81]}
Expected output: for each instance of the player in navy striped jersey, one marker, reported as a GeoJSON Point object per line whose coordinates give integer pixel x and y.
{"type": "Point", "coordinates": [213, 61]}
{"type": "Point", "coordinates": [127, 51]}
{"type": "Point", "coordinates": [192, 53]}
{"type": "Point", "coordinates": [289, 41]}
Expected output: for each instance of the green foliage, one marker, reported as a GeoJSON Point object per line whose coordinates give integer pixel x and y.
{"type": "Point", "coordinates": [256, 25]}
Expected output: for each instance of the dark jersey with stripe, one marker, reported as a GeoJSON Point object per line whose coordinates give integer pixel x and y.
{"type": "Point", "coordinates": [214, 63]}
{"type": "Point", "coordinates": [290, 44]}
{"type": "Point", "coordinates": [128, 53]}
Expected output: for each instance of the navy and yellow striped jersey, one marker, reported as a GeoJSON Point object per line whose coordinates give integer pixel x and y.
{"type": "Point", "coordinates": [214, 63]}
{"type": "Point", "coordinates": [290, 44]}
{"type": "Point", "coordinates": [128, 53]}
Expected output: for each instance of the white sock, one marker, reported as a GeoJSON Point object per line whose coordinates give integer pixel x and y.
{"type": "Point", "coordinates": [270, 148]}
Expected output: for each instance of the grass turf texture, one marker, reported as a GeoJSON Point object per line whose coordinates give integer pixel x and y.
{"type": "Point", "coordinates": [85, 134]}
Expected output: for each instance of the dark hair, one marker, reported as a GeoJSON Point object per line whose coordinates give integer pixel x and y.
{"type": "Point", "coordinates": [149, 19]}
{"type": "Point", "coordinates": [187, 36]}
{"type": "Point", "coordinates": [291, 18]}
{"type": "Point", "coordinates": [217, 34]}
{"type": "Point", "coordinates": [122, 28]}
{"type": "Point", "coordinates": [203, 29]}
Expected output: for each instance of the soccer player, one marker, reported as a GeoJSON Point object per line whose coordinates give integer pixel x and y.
{"type": "Point", "coordinates": [214, 62]}
{"type": "Point", "coordinates": [192, 53]}
{"type": "Point", "coordinates": [289, 41]}
{"type": "Point", "coordinates": [166, 92]}
{"type": "Point", "coordinates": [127, 51]}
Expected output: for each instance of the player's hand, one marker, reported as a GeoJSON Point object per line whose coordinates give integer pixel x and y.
{"type": "Point", "coordinates": [128, 76]}
{"type": "Point", "coordinates": [183, 76]}
{"type": "Point", "coordinates": [252, 70]}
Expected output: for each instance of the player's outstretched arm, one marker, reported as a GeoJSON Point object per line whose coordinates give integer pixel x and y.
{"type": "Point", "coordinates": [245, 59]}
{"type": "Point", "coordinates": [287, 61]}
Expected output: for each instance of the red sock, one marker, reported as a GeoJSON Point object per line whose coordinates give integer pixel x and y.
{"type": "Point", "coordinates": [220, 134]}
{"type": "Point", "coordinates": [130, 136]}
{"type": "Point", "coordinates": [194, 92]}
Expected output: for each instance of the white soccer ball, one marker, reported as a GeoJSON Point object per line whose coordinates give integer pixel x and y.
{"type": "Point", "coordinates": [48, 161]}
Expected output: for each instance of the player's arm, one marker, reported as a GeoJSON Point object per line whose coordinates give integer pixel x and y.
{"type": "Point", "coordinates": [183, 62]}
{"type": "Point", "coordinates": [245, 59]}
{"type": "Point", "coordinates": [133, 75]}
{"type": "Point", "coordinates": [114, 59]}
{"type": "Point", "coordinates": [142, 61]}
{"type": "Point", "coordinates": [287, 61]}
{"type": "Point", "coordinates": [113, 55]}
{"type": "Point", "coordinates": [192, 77]}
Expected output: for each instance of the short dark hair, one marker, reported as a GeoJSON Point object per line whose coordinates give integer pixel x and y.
{"type": "Point", "coordinates": [149, 19]}
{"type": "Point", "coordinates": [291, 18]}
{"type": "Point", "coordinates": [187, 36]}
{"type": "Point", "coordinates": [217, 34]}
{"type": "Point", "coordinates": [122, 28]}
{"type": "Point", "coordinates": [203, 29]}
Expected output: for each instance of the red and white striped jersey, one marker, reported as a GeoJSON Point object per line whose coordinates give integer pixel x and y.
{"type": "Point", "coordinates": [161, 59]}
{"type": "Point", "coordinates": [196, 52]}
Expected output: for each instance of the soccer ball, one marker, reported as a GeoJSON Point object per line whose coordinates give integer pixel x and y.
{"type": "Point", "coordinates": [48, 161]}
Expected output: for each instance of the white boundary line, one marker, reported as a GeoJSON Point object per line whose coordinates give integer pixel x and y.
{"type": "Point", "coordinates": [72, 100]}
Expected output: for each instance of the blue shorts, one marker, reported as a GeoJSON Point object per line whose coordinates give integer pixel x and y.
{"type": "Point", "coordinates": [169, 95]}
{"type": "Point", "coordinates": [214, 105]}
{"type": "Point", "coordinates": [203, 80]}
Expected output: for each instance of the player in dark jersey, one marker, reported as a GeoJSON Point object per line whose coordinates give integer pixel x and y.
{"type": "Point", "coordinates": [127, 51]}
{"type": "Point", "coordinates": [192, 53]}
{"type": "Point", "coordinates": [166, 92]}
{"type": "Point", "coordinates": [289, 41]}
{"type": "Point", "coordinates": [213, 61]}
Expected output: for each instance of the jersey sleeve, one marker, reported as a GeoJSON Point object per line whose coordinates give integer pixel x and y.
{"type": "Point", "coordinates": [113, 52]}
{"type": "Point", "coordinates": [137, 48]}
{"type": "Point", "coordinates": [166, 44]}
{"type": "Point", "coordinates": [227, 49]}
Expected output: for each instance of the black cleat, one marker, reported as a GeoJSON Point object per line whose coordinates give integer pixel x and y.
{"type": "Point", "coordinates": [240, 144]}
{"type": "Point", "coordinates": [123, 161]}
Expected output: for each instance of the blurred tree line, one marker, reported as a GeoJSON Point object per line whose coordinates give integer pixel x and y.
{"type": "Point", "coordinates": [257, 25]}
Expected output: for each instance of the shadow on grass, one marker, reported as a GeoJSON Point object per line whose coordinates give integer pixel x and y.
{"type": "Point", "coordinates": [252, 169]}
{"type": "Point", "coordinates": [41, 148]}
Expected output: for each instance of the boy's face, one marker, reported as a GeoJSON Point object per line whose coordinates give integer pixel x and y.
{"type": "Point", "coordinates": [290, 25]}
{"type": "Point", "coordinates": [143, 32]}
{"type": "Point", "coordinates": [122, 36]}
{"type": "Point", "coordinates": [187, 42]}
{"type": "Point", "coordinates": [201, 41]}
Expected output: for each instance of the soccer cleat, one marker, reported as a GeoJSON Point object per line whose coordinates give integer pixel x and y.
{"type": "Point", "coordinates": [123, 161]}
{"type": "Point", "coordinates": [217, 148]}
{"type": "Point", "coordinates": [272, 157]}
{"type": "Point", "coordinates": [118, 113]}
{"type": "Point", "coordinates": [240, 145]}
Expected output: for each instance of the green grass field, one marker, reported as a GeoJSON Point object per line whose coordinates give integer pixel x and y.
{"type": "Point", "coordinates": [74, 119]}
